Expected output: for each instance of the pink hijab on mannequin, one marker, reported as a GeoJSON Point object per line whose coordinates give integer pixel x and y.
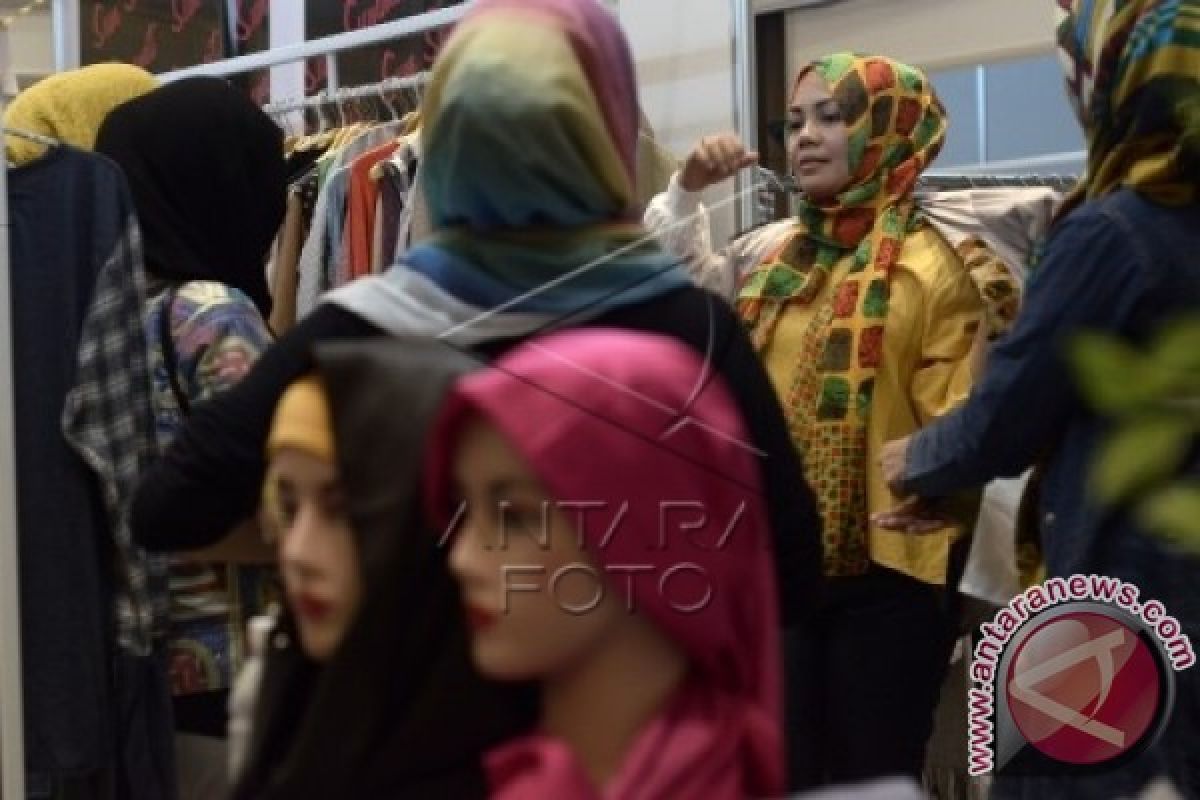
{"type": "Point", "coordinates": [635, 420]}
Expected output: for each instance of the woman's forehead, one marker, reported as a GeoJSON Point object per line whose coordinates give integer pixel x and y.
{"type": "Point", "coordinates": [809, 90]}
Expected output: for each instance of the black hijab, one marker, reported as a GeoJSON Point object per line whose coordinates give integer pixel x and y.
{"type": "Point", "coordinates": [399, 711]}
{"type": "Point", "coordinates": [206, 169]}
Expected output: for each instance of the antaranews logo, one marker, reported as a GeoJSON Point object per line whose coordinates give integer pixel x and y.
{"type": "Point", "coordinates": [1075, 674]}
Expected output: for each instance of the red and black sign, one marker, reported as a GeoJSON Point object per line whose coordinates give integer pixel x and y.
{"type": "Point", "coordinates": [371, 64]}
{"type": "Point", "coordinates": [163, 35]}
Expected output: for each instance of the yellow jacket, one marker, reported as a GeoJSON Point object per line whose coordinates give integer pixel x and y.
{"type": "Point", "coordinates": [931, 348]}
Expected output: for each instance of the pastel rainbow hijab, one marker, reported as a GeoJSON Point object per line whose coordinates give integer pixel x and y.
{"type": "Point", "coordinates": [1133, 71]}
{"type": "Point", "coordinates": [530, 139]}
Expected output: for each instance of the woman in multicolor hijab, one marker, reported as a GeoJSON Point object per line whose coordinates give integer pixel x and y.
{"type": "Point", "coordinates": [70, 107]}
{"type": "Point", "coordinates": [1120, 259]}
{"type": "Point", "coordinates": [530, 131]}
{"type": "Point", "coordinates": [866, 320]}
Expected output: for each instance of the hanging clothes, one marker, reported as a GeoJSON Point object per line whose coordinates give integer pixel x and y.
{"type": "Point", "coordinates": [361, 220]}
{"type": "Point", "coordinates": [96, 706]}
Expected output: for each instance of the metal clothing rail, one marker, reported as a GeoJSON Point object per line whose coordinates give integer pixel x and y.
{"type": "Point", "coordinates": [770, 185]}
{"type": "Point", "coordinates": [12, 719]}
{"type": "Point", "coordinates": [948, 183]}
{"type": "Point", "coordinates": [327, 47]}
{"type": "Point", "coordinates": [367, 90]}
{"type": "Point", "coordinates": [773, 181]}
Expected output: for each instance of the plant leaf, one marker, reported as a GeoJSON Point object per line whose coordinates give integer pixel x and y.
{"type": "Point", "coordinates": [1174, 513]}
{"type": "Point", "coordinates": [1115, 378]}
{"type": "Point", "coordinates": [1140, 454]}
{"type": "Point", "coordinates": [1177, 348]}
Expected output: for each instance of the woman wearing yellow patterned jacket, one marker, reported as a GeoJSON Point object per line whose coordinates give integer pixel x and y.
{"type": "Point", "coordinates": [867, 321]}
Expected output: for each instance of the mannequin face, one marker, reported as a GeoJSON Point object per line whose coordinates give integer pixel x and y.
{"type": "Point", "coordinates": [535, 603]}
{"type": "Point", "coordinates": [817, 142]}
{"type": "Point", "coordinates": [317, 552]}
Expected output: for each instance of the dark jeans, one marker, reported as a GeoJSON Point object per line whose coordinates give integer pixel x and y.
{"type": "Point", "coordinates": [146, 753]}
{"type": "Point", "coordinates": [202, 713]}
{"type": "Point", "coordinates": [863, 678]}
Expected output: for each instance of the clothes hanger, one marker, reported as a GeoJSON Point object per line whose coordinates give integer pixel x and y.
{"type": "Point", "coordinates": [29, 136]}
{"type": "Point", "coordinates": [387, 104]}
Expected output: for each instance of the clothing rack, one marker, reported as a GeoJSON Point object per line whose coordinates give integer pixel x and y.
{"type": "Point", "coordinates": [340, 95]}
{"type": "Point", "coordinates": [950, 183]}
{"type": "Point", "coordinates": [773, 181]}
{"type": "Point", "coordinates": [769, 185]}
{"type": "Point", "coordinates": [33, 137]}
{"type": "Point", "coordinates": [12, 734]}
{"type": "Point", "coordinates": [327, 47]}
{"type": "Point", "coordinates": [12, 719]}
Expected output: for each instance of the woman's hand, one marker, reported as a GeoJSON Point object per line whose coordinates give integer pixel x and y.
{"type": "Point", "coordinates": [715, 159]}
{"type": "Point", "coordinates": [893, 460]}
{"type": "Point", "coordinates": [914, 515]}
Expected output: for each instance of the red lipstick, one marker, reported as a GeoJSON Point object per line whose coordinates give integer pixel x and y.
{"type": "Point", "coordinates": [479, 619]}
{"type": "Point", "coordinates": [310, 606]}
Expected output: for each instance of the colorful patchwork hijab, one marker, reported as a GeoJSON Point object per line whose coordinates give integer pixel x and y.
{"type": "Point", "coordinates": [1133, 72]}
{"type": "Point", "coordinates": [896, 126]}
{"type": "Point", "coordinates": [531, 125]}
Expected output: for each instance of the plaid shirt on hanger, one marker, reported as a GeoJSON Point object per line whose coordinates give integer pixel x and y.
{"type": "Point", "coordinates": [108, 419]}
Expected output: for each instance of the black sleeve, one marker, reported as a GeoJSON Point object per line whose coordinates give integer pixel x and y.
{"type": "Point", "coordinates": [790, 501]}
{"type": "Point", "coordinates": [210, 477]}
{"type": "Point", "coordinates": [706, 323]}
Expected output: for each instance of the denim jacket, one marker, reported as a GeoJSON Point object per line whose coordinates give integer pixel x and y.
{"type": "Point", "coordinates": [1119, 265]}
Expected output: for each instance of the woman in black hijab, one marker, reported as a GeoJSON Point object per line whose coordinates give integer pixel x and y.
{"type": "Point", "coordinates": [206, 171]}
{"type": "Point", "coordinates": [392, 707]}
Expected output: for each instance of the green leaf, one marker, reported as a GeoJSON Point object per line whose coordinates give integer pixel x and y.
{"type": "Point", "coordinates": [1174, 512]}
{"type": "Point", "coordinates": [1139, 455]}
{"type": "Point", "coordinates": [1177, 348]}
{"type": "Point", "coordinates": [1116, 379]}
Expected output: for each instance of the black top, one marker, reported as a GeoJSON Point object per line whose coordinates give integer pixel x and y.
{"type": "Point", "coordinates": [211, 476]}
{"type": "Point", "coordinates": [70, 212]}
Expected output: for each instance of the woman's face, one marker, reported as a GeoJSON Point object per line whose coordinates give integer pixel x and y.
{"type": "Point", "coordinates": [534, 600]}
{"type": "Point", "coordinates": [318, 555]}
{"type": "Point", "coordinates": [817, 143]}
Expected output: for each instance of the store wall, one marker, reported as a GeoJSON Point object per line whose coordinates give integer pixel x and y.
{"type": "Point", "coordinates": [30, 47]}
{"type": "Point", "coordinates": [933, 34]}
{"type": "Point", "coordinates": [684, 55]}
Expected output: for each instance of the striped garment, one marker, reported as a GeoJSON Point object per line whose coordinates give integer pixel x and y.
{"type": "Point", "coordinates": [1133, 71]}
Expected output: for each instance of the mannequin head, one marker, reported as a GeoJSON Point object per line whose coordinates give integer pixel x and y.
{"type": "Point", "coordinates": [817, 141]}
{"type": "Point", "coordinates": [305, 512]}
{"type": "Point", "coordinates": [536, 601]}
{"type": "Point", "coordinates": [607, 523]}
